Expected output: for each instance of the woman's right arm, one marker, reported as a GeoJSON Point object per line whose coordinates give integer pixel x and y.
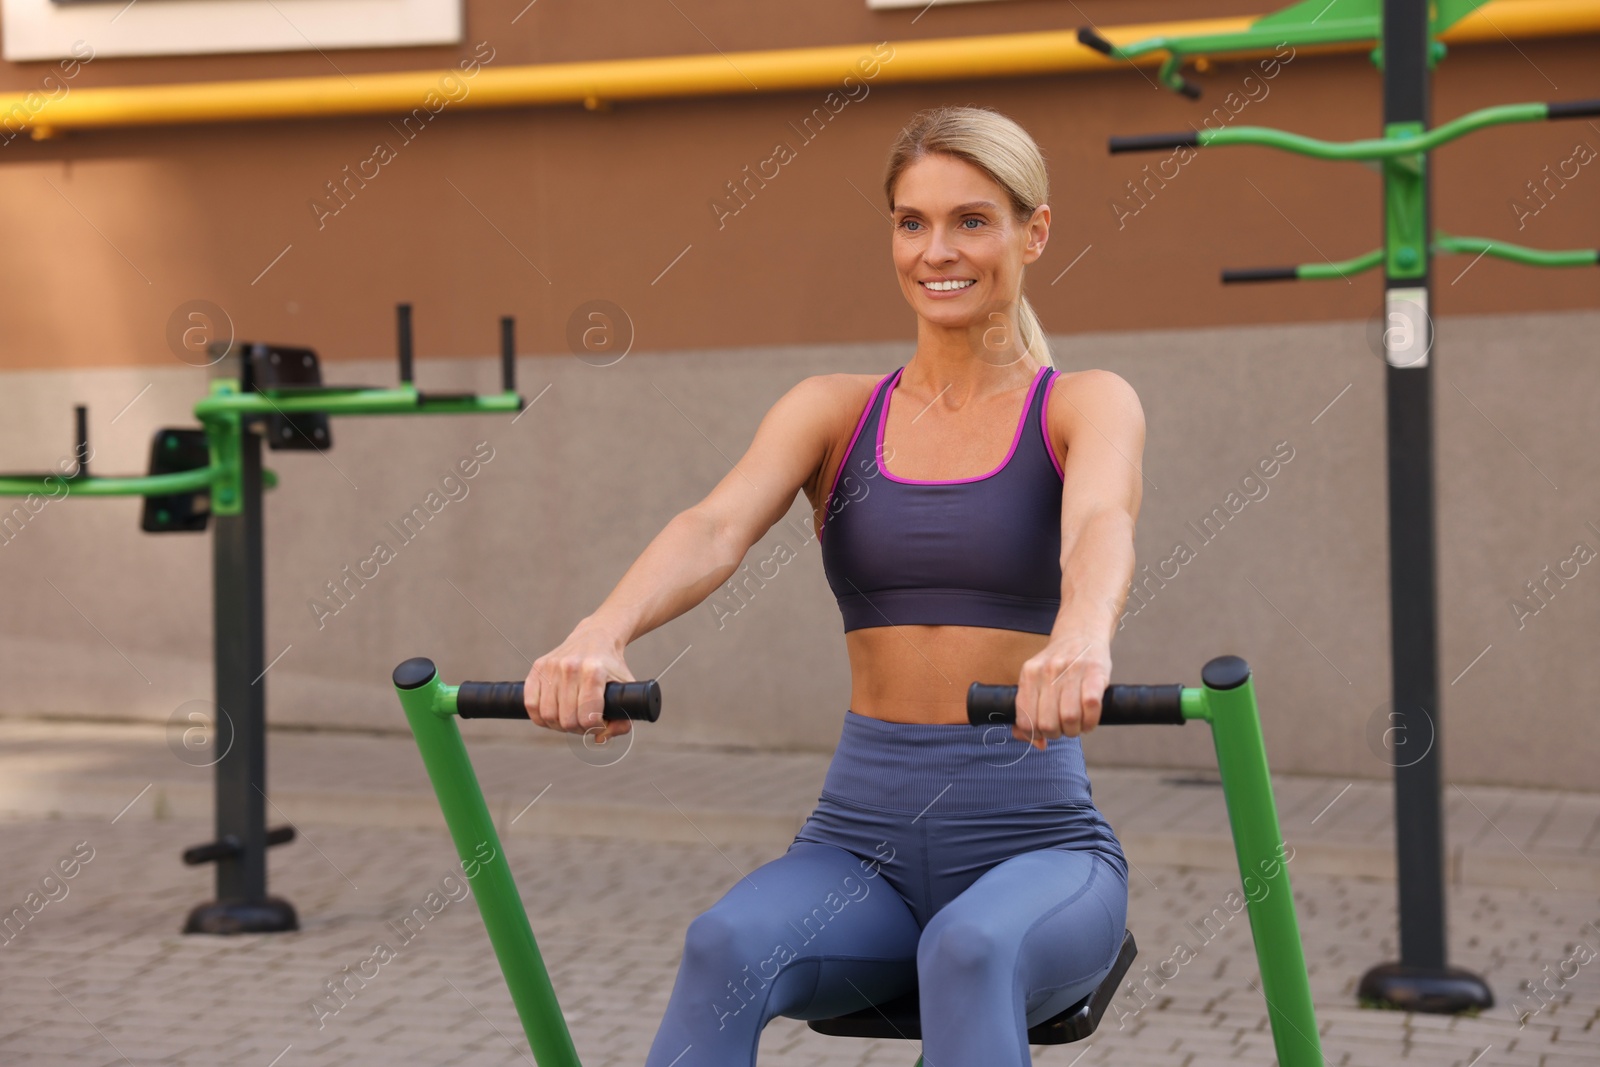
{"type": "Point", "coordinates": [691, 557]}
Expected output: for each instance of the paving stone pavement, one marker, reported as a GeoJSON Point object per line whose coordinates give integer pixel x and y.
{"type": "Point", "coordinates": [100, 976]}
{"type": "Point", "coordinates": [652, 790]}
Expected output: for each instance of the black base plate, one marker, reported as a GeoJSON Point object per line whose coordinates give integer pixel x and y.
{"type": "Point", "coordinates": [1440, 990]}
{"type": "Point", "coordinates": [269, 915]}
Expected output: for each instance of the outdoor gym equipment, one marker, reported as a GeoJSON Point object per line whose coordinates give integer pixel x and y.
{"type": "Point", "coordinates": [1407, 49]}
{"type": "Point", "coordinates": [1226, 700]}
{"type": "Point", "coordinates": [215, 471]}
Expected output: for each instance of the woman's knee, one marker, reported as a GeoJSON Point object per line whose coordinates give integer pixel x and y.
{"type": "Point", "coordinates": [725, 938]}
{"type": "Point", "coordinates": [961, 944]}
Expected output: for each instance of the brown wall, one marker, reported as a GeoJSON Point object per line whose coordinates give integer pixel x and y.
{"type": "Point", "coordinates": [535, 211]}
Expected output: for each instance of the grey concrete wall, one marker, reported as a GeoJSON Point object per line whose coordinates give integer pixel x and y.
{"type": "Point", "coordinates": [104, 621]}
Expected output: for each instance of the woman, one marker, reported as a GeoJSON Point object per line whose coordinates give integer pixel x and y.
{"type": "Point", "coordinates": [997, 546]}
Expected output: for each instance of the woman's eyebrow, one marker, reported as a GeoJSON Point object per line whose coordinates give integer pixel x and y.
{"type": "Point", "coordinates": [954, 211]}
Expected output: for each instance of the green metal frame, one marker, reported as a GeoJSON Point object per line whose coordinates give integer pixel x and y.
{"type": "Point", "coordinates": [1401, 151]}
{"type": "Point", "coordinates": [1422, 979]}
{"type": "Point", "coordinates": [1246, 785]}
{"type": "Point", "coordinates": [1446, 244]}
{"type": "Point", "coordinates": [222, 413]}
{"type": "Point", "coordinates": [233, 479]}
{"type": "Point", "coordinates": [1311, 22]}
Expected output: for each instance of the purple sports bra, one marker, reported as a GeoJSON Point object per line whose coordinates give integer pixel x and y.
{"type": "Point", "coordinates": [983, 551]}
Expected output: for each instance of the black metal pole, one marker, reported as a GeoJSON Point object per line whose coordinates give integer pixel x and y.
{"type": "Point", "coordinates": [239, 623]}
{"type": "Point", "coordinates": [1422, 980]}
{"type": "Point", "coordinates": [1413, 594]}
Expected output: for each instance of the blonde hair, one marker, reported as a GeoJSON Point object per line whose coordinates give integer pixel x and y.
{"type": "Point", "coordinates": [1001, 149]}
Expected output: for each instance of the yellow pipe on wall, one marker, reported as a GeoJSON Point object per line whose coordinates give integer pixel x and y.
{"type": "Point", "coordinates": [595, 84]}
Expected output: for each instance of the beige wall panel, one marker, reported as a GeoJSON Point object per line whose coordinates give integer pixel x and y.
{"type": "Point", "coordinates": [104, 621]}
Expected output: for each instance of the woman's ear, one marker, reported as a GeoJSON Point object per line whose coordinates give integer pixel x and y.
{"type": "Point", "coordinates": [1038, 234]}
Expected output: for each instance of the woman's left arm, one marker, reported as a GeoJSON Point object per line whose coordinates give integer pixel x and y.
{"type": "Point", "coordinates": [1098, 415]}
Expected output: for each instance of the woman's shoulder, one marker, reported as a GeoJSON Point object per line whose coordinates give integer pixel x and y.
{"type": "Point", "coordinates": [1093, 385]}
{"type": "Point", "coordinates": [835, 396]}
{"type": "Point", "coordinates": [832, 406]}
{"type": "Point", "coordinates": [1075, 394]}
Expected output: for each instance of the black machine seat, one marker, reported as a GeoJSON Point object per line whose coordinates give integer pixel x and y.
{"type": "Point", "coordinates": [902, 1016]}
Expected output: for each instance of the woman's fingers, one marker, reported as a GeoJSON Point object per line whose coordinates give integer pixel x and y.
{"type": "Point", "coordinates": [1090, 696]}
{"type": "Point", "coordinates": [591, 695]}
{"type": "Point", "coordinates": [530, 693]}
{"type": "Point", "coordinates": [565, 690]}
{"type": "Point", "coordinates": [1059, 691]}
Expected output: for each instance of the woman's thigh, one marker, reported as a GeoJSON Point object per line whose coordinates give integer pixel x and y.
{"type": "Point", "coordinates": [826, 932]}
{"type": "Point", "coordinates": [1043, 926]}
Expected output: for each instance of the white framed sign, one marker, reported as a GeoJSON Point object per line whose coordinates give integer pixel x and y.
{"type": "Point", "coordinates": [47, 29]}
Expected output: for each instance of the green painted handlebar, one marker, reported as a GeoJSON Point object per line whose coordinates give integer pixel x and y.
{"type": "Point", "coordinates": [1367, 148]}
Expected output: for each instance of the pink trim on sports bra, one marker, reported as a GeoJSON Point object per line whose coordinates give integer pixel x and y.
{"type": "Point", "coordinates": [1044, 426]}
{"type": "Point", "coordinates": [883, 420]}
{"type": "Point", "coordinates": [827, 501]}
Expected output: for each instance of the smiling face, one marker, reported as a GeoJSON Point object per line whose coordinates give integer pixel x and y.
{"type": "Point", "coordinates": [958, 248]}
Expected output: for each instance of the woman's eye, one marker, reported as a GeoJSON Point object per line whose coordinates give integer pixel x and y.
{"type": "Point", "coordinates": [908, 223]}
{"type": "Point", "coordinates": [978, 221]}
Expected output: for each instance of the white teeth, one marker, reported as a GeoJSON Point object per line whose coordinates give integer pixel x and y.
{"type": "Point", "coordinates": [945, 287]}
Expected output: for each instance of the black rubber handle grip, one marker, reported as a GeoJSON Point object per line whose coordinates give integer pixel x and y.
{"type": "Point", "coordinates": [1091, 38]}
{"type": "Point", "coordinates": [1573, 109]}
{"type": "Point", "coordinates": [1149, 142]}
{"type": "Point", "coordinates": [503, 700]}
{"type": "Point", "coordinates": [1121, 705]}
{"type": "Point", "coordinates": [1261, 274]}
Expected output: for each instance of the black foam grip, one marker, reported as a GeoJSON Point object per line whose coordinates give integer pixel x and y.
{"type": "Point", "coordinates": [490, 700]}
{"type": "Point", "coordinates": [1092, 39]}
{"type": "Point", "coordinates": [1573, 109]}
{"type": "Point", "coordinates": [1148, 142]}
{"type": "Point", "coordinates": [1261, 274]}
{"type": "Point", "coordinates": [1134, 705]}
{"type": "Point", "coordinates": [503, 700]}
{"type": "Point", "coordinates": [1120, 705]}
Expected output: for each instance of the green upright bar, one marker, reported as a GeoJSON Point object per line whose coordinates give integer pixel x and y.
{"type": "Point", "coordinates": [1263, 868]}
{"type": "Point", "coordinates": [430, 709]}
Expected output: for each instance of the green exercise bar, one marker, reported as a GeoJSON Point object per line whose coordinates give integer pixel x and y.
{"type": "Point", "coordinates": [1310, 22]}
{"type": "Point", "coordinates": [349, 400]}
{"type": "Point", "coordinates": [1369, 148]}
{"type": "Point", "coordinates": [1226, 701]}
{"type": "Point", "coordinates": [1443, 244]}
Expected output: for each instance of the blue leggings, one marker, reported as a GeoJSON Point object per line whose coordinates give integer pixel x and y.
{"type": "Point", "coordinates": [936, 857]}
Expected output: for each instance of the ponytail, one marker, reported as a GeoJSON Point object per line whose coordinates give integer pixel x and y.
{"type": "Point", "coordinates": [1031, 333]}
